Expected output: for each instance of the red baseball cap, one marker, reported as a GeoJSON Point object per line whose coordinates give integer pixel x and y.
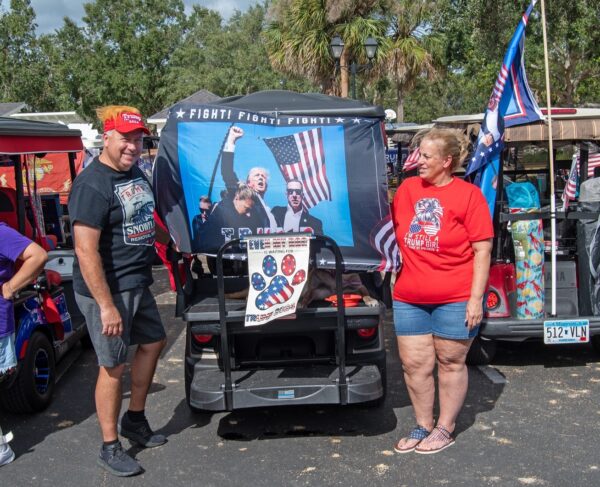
{"type": "Point", "coordinates": [126, 122]}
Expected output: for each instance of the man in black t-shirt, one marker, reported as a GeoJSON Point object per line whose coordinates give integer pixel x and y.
{"type": "Point", "coordinates": [111, 209]}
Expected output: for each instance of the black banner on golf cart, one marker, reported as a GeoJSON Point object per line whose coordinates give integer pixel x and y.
{"type": "Point", "coordinates": [223, 173]}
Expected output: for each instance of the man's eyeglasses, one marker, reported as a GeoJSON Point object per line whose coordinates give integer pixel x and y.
{"type": "Point", "coordinates": [294, 191]}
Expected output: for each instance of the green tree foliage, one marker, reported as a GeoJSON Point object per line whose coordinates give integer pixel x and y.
{"type": "Point", "coordinates": [23, 74]}
{"type": "Point", "coordinates": [300, 32]}
{"type": "Point", "coordinates": [226, 59]}
{"type": "Point", "coordinates": [476, 34]}
{"type": "Point", "coordinates": [131, 43]}
{"type": "Point", "coordinates": [434, 58]}
{"type": "Point", "coordinates": [67, 55]}
{"type": "Point", "coordinates": [574, 52]}
{"type": "Point", "coordinates": [410, 51]}
{"type": "Point", "coordinates": [190, 65]}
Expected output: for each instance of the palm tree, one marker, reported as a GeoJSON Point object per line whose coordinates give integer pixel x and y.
{"type": "Point", "coordinates": [298, 37]}
{"type": "Point", "coordinates": [409, 51]}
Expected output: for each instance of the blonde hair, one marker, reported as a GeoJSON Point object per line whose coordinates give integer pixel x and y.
{"type": "Point", "coordinates": [110, 112]}
{"type": "Point", "coordinates": [452, 143]}
{"type": "Point", "coordinates": [244, 192]}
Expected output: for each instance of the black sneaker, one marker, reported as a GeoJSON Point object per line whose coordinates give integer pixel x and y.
{"type": "Point", "coordinates": [141, 433]}
{"type": "Point", "coordinates": [114, 459]}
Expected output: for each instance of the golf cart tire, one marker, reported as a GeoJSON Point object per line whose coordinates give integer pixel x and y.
{"type": "Point", "coordinates": [595, 340]}
{"type": "Point", "coordinates": [30, 393]}
{"type": "Point", "coordinates": [482, 351]}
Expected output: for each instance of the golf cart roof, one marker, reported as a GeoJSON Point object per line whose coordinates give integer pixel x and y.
{"type": "Point", "coordinates": [568, 125]}
{"type": "Point", "coordinates": [29, 137]}
{"type": "Point", "coordinates": [283, 102]}
{"type": "Point", "coordinates": [404, 134]}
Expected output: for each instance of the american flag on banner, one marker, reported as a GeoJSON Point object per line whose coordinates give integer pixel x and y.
{"type": "Point", "coordinates": [383, 239]}
{"type": "Point", "coordinates": [279, 291]}
{"type": "Point", "coordinates": [412, 160]}
{"type": "Point", "coordinates": [301, 156]}
{"type": "Point", "coordinates": [573, 182]}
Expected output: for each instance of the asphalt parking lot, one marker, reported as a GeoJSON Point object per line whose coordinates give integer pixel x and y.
{"type": "Point", "coordinates": [531, 418]}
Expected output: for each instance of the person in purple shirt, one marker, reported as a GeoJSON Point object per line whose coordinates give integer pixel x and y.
{"type": "Point", "coordinates": [14, 248]}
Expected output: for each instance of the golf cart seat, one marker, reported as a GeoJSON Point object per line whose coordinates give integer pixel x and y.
{"type": "Point", "coordinates": [8, 211]}
{"type": "Point", "coordinates": [8, 214]}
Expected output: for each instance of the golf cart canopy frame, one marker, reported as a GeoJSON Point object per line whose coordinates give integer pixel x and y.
{"type": "Point", "coordinates": [20, 137]}
{"type": "Point", "coordinates": [32, 137]}
{"type": "Point", "coordinates": [569, 125]}
{"type": "Point", "coordinates": [280, 102]}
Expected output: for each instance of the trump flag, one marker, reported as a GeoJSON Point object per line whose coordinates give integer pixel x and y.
{"type": "Point", "coordinates": [223, 173]}
{"type": "Point", "coordinates": [511, 103]}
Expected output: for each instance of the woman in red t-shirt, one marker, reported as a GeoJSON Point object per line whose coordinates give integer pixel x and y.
{"type": "Point", "coordinates": [444, 230]}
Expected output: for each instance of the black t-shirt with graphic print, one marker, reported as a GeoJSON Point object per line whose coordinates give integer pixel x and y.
{"type": "Point", "coordinates": [121, 205]}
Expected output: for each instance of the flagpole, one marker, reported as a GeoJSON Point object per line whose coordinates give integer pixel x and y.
{"type": "Point", "coordinates": [551, 159]}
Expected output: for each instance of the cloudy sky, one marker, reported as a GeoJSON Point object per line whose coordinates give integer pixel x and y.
{"type": "Point", "coordinates": [51, 12]}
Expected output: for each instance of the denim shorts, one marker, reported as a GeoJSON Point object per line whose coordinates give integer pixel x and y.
{"type": "Point", "coordinates": [141, 324]}
{"type": "Point", "coordinates": [443, 320]}
{"type": "Point", "coordinates": [8, 357]}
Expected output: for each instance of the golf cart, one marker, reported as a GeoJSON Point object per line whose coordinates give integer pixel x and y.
{"type": "Point", "coordinates": [48, 322]}
{"type": "Point", "coordinates": [329, 351]}
{"type": "Point", "coordinates": [576, 319]}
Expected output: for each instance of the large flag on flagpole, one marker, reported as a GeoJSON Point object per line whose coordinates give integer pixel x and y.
{"type": "Point", "coordinates": [511, 103]}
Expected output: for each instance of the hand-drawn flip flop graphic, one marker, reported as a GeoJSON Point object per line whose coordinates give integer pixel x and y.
{"type": "Point", "coordinates": [279, 290]}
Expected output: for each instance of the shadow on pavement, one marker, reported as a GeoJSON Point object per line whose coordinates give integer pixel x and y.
{"type": "Point", "coordinates": [535, 352]}
{"type": "Point", "coordinates": [482, 394]}
{"type": "Point", "coordinates": [482, 397]}
{"type": "Point", "coordinates": [73, 403]}
{"type": "Point", "coordinates": [285, 422]}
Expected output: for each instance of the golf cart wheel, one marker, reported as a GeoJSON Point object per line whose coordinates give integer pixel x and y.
{"type": "Point", "coordinates": [33, 388]}
{"type": "Point", "coordinates": [596, 343]}
{"type": "Point", "coordinates": [482, 351]}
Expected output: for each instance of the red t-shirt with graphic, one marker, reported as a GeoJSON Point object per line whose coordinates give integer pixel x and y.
{"type": "Point", "coordinates": [434, 228]}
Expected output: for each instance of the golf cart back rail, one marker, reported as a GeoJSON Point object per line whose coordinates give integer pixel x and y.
{"type": "Point", "coordinates": [316, 356]}
{"type": "Point", "coordinates": [332, 151]}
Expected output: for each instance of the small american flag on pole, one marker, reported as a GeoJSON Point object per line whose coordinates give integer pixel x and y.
{"type": "Point", "coordinates": [383, 239]}
{"type": "Point", "coordinates": [593, 160]}
{"type": "Point", "coordinates": [573, 182]}
{"type": "Point", "coordinates": [301, 156]}
{"type": "Point", "coordinates": [412, 160]}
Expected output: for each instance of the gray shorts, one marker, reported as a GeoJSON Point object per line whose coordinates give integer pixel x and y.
{"type": "Point", "coordinates": [141, 324]}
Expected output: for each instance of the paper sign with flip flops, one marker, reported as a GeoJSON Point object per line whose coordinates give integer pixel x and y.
{"type": "Point", "coordinates": [277, 267]}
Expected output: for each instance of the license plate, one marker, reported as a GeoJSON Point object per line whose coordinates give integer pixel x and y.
{"type": "Point", "coordinates": [566, 331]}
